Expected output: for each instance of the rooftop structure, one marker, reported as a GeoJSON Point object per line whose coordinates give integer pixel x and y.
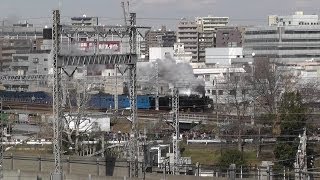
{"type": "Point", "coordinates": [84, 21]}
{"type": "Point", "coordinates": [298, 19]}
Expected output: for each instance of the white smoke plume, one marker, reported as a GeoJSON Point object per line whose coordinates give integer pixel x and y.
{"type": "Point", "coordinates": [179, 75]}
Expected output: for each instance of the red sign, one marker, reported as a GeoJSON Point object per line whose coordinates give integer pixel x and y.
{"type": "Point", "coordinates": [103, 45]}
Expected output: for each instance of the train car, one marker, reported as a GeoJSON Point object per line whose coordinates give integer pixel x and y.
{"type": "Point", "coordinates": [26, 97]}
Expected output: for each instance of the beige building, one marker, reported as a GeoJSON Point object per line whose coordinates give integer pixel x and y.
{"type": "Point", "coordinates": [211, 23]}
{"type": "Point", "coordinates": [199, 34]}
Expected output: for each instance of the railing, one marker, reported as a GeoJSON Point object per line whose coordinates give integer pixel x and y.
{"type": "Point", "coordinates": [188, 117]}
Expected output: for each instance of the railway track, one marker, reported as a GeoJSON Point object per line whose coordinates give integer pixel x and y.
{"type": "Point", "coordinates": [26, 106]}
{"type": "Point", "coordinates": [145, 114]}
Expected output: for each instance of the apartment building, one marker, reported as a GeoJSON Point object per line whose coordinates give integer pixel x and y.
{"type": "Point", "coordinates": [159, 38]}
{"type": "Point", "coordinates": [199, 34]}
{"type": "Point", "coordinates": [211, 23]}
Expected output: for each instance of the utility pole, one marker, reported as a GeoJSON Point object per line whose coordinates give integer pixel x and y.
{"type": "Point", "coordinates": [217, 113]}
{"type": "Point", "coordinates": [1, 146]}
{"type": "Point", "coordinates": [57, 94]}
{"type": "Point", "coordinates": [259, 143]}
{"type": "Point", "coordinates": [300, 165]}
{"type": "Point", "coordinates": [157, 87]}
{"type": "Point", "coordinates": [216, 85]}
{"type": "Point", "coordinates": [176, 135]}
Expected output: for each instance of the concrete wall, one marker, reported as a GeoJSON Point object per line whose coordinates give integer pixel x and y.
{"type": "Point", "coordinates": [25, 175]}
{"type": "Point", "coordinates": [71, 165]}
{"type": "Point", "coordinates": [222, 56]}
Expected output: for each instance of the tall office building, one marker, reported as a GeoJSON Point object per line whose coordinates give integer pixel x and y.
{"type": "Point", "coordinates": [292, 39]}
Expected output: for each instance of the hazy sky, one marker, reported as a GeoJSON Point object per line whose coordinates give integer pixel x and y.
{"type": "Point", "coordinates": [239, 11]}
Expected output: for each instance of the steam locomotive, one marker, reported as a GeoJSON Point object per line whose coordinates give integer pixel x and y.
{"type": "Point", "coordinates": [192, 103]}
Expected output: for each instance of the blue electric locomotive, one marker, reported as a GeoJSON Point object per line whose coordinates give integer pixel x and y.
{"type": "Point", "coordinates": [105, 101]}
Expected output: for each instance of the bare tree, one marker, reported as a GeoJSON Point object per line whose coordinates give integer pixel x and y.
{"type": "Point", "coordinates": [239, 101]}
{"type": "Point", "coordinates": [269, 81]}
{"type": "Point", "coordinates": [76, 123]}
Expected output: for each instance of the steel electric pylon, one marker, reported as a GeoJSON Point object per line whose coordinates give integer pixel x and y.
{"type": "Point", "coordinates": [176, 135]}
{"type": "Point", "coordinates": [61, 60]}
{"type": "Point", "coordinates": [134, 141]}
{"type": "Point", "coordinates": [57, 96]}
{"type": "Point", "coordinates": [157, 87]}
{"type": "Point", "coordinates": [1, 144]}
{"type": "Point", "coordinates": [300, 164]}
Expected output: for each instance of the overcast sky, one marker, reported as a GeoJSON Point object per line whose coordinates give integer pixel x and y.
{"type": "Point", "coordinates": [239, 11]}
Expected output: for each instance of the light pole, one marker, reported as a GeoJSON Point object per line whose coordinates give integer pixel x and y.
{"type": "Point", "coordinates": [254, 100]}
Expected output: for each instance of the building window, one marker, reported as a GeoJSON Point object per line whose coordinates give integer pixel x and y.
{"type": "Point", "coordinates": [233, 92]}
{"type": "Point", "coordinates": [207, 77]}
{"type": "Point", "coordinates": [45, 59]}
{"type": "Point", "coordinates": [214, 92]}
{"type": "Point", "coordinates": [35, 60]}
{"type": "Point", "coordinates": [220, 92]}
{"type": "Point", "coordinates": [45, 69]}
